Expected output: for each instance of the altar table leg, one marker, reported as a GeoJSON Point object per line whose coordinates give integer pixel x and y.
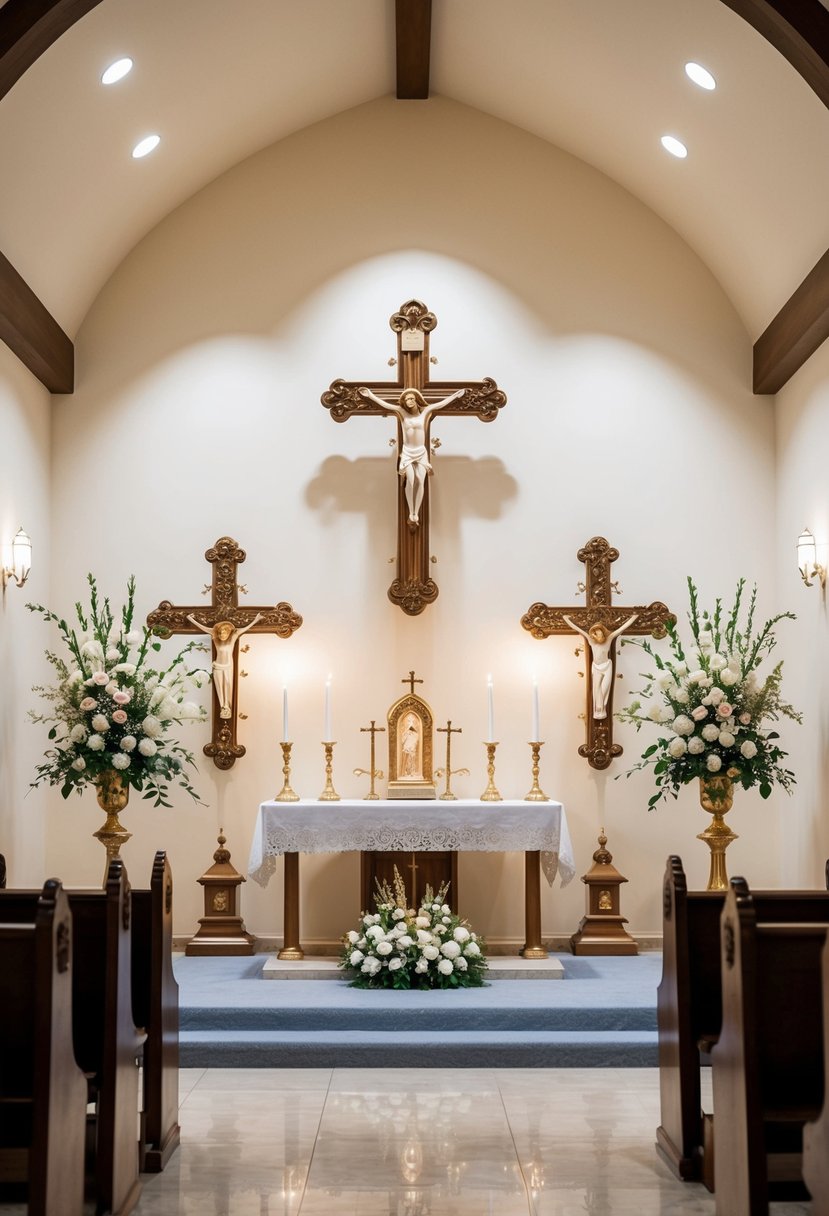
{"type": "Point", "coordinates": [291, 948]}
{"type": "Point", "coordinates": [532, 906]}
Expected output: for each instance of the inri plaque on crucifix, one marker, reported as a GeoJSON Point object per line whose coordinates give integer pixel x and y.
{"type": "Point", "coordinates": [599, 623]}
{"type": "Point", "coordinates": [414, 400]}
{"type": "Point", "coordinates": [224, 621]}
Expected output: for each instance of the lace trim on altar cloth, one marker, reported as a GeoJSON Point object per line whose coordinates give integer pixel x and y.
{"type": "Point", "coordinates": [281, 836]}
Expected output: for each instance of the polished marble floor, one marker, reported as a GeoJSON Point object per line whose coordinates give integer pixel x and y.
{"type": "Point", "coordinates": [421, 1142]}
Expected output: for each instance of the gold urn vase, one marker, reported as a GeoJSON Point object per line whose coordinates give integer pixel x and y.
{"type": "Point", "coordinates": [716, 795]}
{"type": "Point", "coordinates": [113, 796]}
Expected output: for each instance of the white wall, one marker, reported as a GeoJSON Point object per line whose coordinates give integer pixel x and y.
{"type": "Point", "coordinates": [197, 414]}
{"type": "Point", "coordinates": [802, 412]}
{"type": "Point", "coordinates": [24, 501]}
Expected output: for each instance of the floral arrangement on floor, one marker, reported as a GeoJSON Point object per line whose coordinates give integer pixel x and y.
{"type": "Point", "coordinates": [396, 947]}
{"type": "Point", "coordinates": [109, 710]}
{"type": "Point", "coordinates": [712, 706]}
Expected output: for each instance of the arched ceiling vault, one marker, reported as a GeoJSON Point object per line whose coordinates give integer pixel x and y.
{"type": "Point", "coordinates": [797, 29]}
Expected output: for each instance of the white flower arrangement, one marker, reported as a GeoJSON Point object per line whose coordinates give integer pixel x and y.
{"type": "Point", "coordinates": [716, 707]}
{"type": "Point", "coordinates": [398, 947]}
{"type": "Point", "coordinates": [100, 715]}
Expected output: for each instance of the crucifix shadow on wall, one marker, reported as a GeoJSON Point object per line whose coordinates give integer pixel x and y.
{"type": "Point", "coordinates": [478, 487]}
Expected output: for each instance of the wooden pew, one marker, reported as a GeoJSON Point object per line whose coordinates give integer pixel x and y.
{"type": "Point", "coordinates": [768, 1061]}
{"type": "Point", "coordinates": [816, 1134]}
{"type": "Point", "coordinates": [2, 871]}
{"type": "Point", "coordinates": [42, 1091]}
{"type": "Point", "coordinates": [106, 1042]}
{"type": "Point", "coordinates": [689, 1007]}
{"type": "Point", "coordinates": [155, 1008]}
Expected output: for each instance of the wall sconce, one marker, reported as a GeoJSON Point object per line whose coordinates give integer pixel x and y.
{"type": "Point", "coordinates": [21, 560]}
{"type": "Point", "coordinates": [807, 560]}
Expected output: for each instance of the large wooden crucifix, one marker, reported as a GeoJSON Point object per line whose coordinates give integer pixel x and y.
{"type": "Point", "coordinates": [600, 623]}
{"type": "Point", "coordinates": [225, 621]}
{"type": "Point", "coordinates": [415, 400]}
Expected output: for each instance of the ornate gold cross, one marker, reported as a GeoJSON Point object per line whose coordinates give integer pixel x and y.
{"type": "Point", "coordinates": [413, 587]}
{"type": "Point", "coordinates": [600, 623]}
{"type": "Point", "coordinates": [225, 557]}
{"type": "Point", "coordinates": [411, 681]}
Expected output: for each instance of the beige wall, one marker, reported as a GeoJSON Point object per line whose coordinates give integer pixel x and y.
{"type": "Point", "coordinates": [802, 411]}
{"type": "Point", "coordinates": [24, 501]}
{"type": "Point", "coordinates": [197, 414]}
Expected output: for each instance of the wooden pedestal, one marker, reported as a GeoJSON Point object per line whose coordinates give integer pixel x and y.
{"type": "Point", "coordinates": [602, 929]}
{"type": "Point", "coordinates": [221, 930]}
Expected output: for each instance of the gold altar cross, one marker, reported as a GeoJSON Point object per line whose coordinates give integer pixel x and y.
{"type": "Point", "coordinates": [411, 681]}
{"type": "Point", "coordinates": [448, 772]}
{"type": "Point", "coordinates": [371, 772]}
{"type": "Point", "coordinates": [599, 622]}
{"type": "Point", "coordinates": [225, 557]}
{"type": "Point", "coordinates": [413, 587]}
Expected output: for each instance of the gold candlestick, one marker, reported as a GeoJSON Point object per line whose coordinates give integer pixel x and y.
{"type": "Point", "coordinates": [449, 730]}
{"type": "Point", "coordinates": [371, 771]}
{"type": "Point", "coordinates": [286, 794]}
{"type": "Point", "coordinates": [329, 794]}
{"type": "Point", "coordinates": [491, 793]}
{"type": "Point", "coordinates": [536, 794]}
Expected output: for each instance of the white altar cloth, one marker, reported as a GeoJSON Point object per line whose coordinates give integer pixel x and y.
{"type": "Point", "coordinates": [413, 825]}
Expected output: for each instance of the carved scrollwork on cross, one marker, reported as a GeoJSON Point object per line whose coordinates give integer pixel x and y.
{"type": "Point", "coordinates": [413, 595]}
{"type": "Point", "coordinates": [413, 315]}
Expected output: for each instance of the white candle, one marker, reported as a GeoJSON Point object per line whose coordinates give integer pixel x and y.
{"type": "Point", "coordinates": [536, 736]}
{"type": "Point", "coordinates": [490, 711]}
{"type": "Point", "coordinates": [285, 736]}
{"type": "Point", "coordinates": [326, 727]}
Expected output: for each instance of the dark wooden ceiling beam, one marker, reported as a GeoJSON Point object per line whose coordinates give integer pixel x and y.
{"type": "Point", "coordinates": [28, 28]}
{"type": "Point", "coordinates": [414, 41]}
{"type": "Point", "coordinates": [799, 30]}
{"type": "Point", "coordinates": [32, 333]}
{"type": "Point", "coordinates": [800, 327]}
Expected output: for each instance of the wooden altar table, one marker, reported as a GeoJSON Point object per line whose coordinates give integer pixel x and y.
{"type": "Point", "coordinates": [537, 829]}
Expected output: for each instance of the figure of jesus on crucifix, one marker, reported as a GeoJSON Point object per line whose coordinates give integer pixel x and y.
{"type": "Point", "coordinates": [415, 466]}
{"type": "Point", "coordinates": [599, 641]}
{"type": "Point", "coordinates": [225, 635]}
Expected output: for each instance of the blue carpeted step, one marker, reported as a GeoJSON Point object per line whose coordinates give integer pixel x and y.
{"type": "Point", "coordinates": [424, 1049]}
{"type": "Point", "coordinates": [440, 1016]}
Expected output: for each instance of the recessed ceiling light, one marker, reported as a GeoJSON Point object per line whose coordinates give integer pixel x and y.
{"type": "Point", "coordinates": [700, 76]}
{"type": "Point", "coordinates": [146, 146]}
{"type": "Point", "coordinates": [117, 71]}
{"type": "Point", "coordinates": [676, 148]}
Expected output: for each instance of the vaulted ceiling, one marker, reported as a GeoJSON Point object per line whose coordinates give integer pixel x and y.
{"type": "Point", "coordinates": [603, 80]}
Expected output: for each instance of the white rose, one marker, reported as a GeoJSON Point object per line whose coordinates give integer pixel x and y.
{"type": "Point", "coordinates": [78, 734]}
{"type": "Point", "coordinates": [718, 662]}
{"type": "Point", "coordinates": [422, 965]}
{"type": "Point", "coordinates": [440, 928]}
{"type": "Point", "coordinates": [423, 922]}
{"type": "Point", "coordinates": [168, 709]}
{"type": "Point", "coordinates": [683, 725]}
{"type": "Point", "coordinates": [664, 680]}
{"type": "Point", "coordinates": [461, 964]}
{"type": "Point", "coordinates": [446, 910]}
{"type": "Point", "coordinates": [404, 942]}
{"type": "Point", "coordinates": [431, 952]}
{"type": "Point", "coordinates": [112, 654]}
{"type": "Point", "coordinates": [472, 949]}
{"type": "Point", "coordinates": [713, 764]}
{"type": "Point", "coordinates": [681, 669]}
{"type": "Point", "coordinates": [423, 938]}
{"type": "Point", "coordinates": [728, 677]}
{"type": "Point", "coordinates": [126, 669]}
{"type": "Point", "coordinates": [127, 744]}
{"type": "Point", "coordinates": [375, 933]}
{"type": "Point", "coordinates": [353, 936]}
{"type": "Point", "coordinates": [356, 957]}
{"type": "Point", "coordinates": [371, 966]}
{"type": "Point", "coordinates": [151, 726]}
{"type": "Point", "coordinates": [681, 695]}
{"type": "Point", "coordinates": [79, 764]}
{"type": "Point", "coordinates": [711, 732]}
{"type": "Point", "coordinates": [111, 687]}
{"type": "Point", "coordinates": [446, 966]}
{"type": "Point", "coordinates": [450, 949]}
{"type": "Point", "coordinates": [395, 964]}
{"type": "Point", "coordinates": [461, 934]}
{"type": "Point", "coordinates": [748, 749]}
{"type": "Point", "coordinates": [715, 696]}
{"type": "Point", "coordinates": [133, 637]}
{"type": "Point", "coordinates": [398, 914]}
{"type": "Point", "coordinates": [120, 760]}
{"type": "Point", "coordinates": [100, 723]}
{"type": "Point", "coordinates": [727, 739]}
{"type": "Point", "coordinates": [147, 747]}
{"type": "Point", "coordinates": [95, 743]}
{"type": "Point", "coordinates": [696, 676]}
{"type": "Point", "coordinates": [677, 747]}
{"type": "Point", "coordinates": [384, 948]}
{"type": "Point", "coordinates": [695, 746]}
